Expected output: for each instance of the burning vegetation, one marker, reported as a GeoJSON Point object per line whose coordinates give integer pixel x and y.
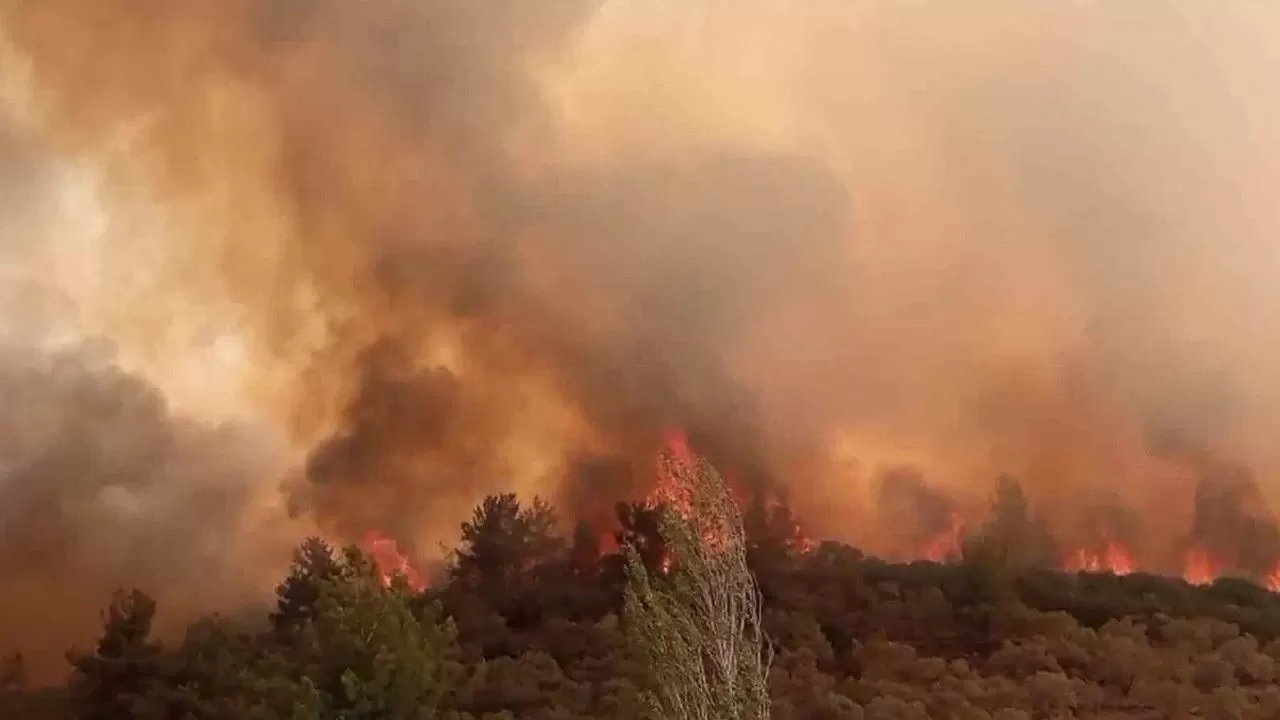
{"type": "Point", "coordinates": [935, 529]}
{"type": "Point", "coordinates": [921, 276]}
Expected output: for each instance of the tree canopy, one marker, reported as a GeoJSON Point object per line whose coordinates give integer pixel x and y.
{"type": "Point", "coordinates": [538, 621]}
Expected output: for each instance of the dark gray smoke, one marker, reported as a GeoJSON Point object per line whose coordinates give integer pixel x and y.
{"type": "Point", "coordinates": [102, 487]}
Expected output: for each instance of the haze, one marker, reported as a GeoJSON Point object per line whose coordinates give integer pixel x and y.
{"type": "Point", "coordinates": [381, 260]}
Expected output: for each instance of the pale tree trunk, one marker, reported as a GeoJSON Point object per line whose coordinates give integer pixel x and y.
{"type": "Point", "coordinates": [698, 626]}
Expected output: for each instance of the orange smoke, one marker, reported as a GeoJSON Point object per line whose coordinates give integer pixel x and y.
{"type": "Point", "coordinates": [449, 249]}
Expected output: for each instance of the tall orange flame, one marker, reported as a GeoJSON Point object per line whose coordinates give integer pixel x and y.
{"type": "Point", "coordinates": [1201, 568]}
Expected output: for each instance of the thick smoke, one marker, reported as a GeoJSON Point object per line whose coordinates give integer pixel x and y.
{"type": "Point", "coordinates": [471, 246]}
{"type": "Point", "coordinates": [103, 483]}
{"type": "Point", "coordinates": [103, 487]}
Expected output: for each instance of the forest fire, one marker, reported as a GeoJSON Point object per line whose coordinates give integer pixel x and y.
{"type": "Point", "coordinates": [1201, 568]}
{"type": "Point", "coordinates": [669, 489]}
{"type": "Point", "coordinates": [763, 514]}
{"type": "Point", "coordinates": [1272, 580]}
{"type": "Point", "coordinates": [1114, 559]}
{"type": "Point", "coordinates": [341, 266]}
{"type": "Point", "coordinates": [942, 527]}
{"type": "Point", "coordinates": [946, 545]}
{"type": "Point", "coordinates": [390, 561]}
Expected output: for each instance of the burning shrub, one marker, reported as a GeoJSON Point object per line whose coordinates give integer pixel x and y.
{"type": "Point", "coordinates": [699, 629]}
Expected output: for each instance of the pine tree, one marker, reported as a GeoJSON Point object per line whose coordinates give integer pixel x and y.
{"type": "Point", "coordinates": [502, 542]}
{"type": "Point", "coordinates": [119, 680]}
{"type": "Point", "coordinates": [314, 563]}
{"type": "Point", "coordinates": [364, 653]}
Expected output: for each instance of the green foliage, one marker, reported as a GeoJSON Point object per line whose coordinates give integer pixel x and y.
{"type": "Point", "coordinates": [698, 627]}
{"type": "Point", "coordinates": [120, 678]}
{"type": "Point", "coordinates": [502, 542]}
{"type": "Point", "coordinates": [855, 638]}
{"type": "Point", "coordinates": [209, 674]}
{"type": "Point", "coordinates": [1014, 535]}
{"type": "Point", "coordinates": [364, 653]}
{"type": "Point", "coordinates": [314, 564]}
{"type": "Point", "coordinates": [771, 532]}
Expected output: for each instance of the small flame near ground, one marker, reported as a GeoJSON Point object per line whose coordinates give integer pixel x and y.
{"type": "Point", "coordinates": [1272, 581]}
{"type": "Point", "coordinates": [1201, 568]}
{"type": "Point", "coordinates": [946, 545]}
{"type": "Point", "coordinates": [1113, 558]}
{"type": "Point", "coordinates": [1109, 556]}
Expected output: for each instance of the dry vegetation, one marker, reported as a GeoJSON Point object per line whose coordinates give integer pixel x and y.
{"type": "Point", "coordinates": [531, 625]}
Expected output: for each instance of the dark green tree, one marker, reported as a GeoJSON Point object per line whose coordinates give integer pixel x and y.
{"type": "Point", "coordinates": [1014, 531]}
{"type": "Point", "coordinates": [584, 550]}
{"type": "Point", "coordinates": [503, 542]}
{"type": "Point", "coordinates": [314, 563]}
{"type": "Point", "coordinates": [363, 654]}
{"type": "Point", "coordinates": [121, 678]}
{"type": "Point", "coordinates": [773, 533]}
{"type": "Point", "coordinates": [209, 674]}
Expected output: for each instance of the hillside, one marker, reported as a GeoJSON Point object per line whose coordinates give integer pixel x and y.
{"type": "Point", "coordinates": [526, 624]}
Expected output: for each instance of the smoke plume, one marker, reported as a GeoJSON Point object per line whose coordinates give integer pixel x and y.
{"type": "Point", "coordinates": [451, 248]}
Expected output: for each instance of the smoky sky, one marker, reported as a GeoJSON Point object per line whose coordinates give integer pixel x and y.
{"type": "Point", "coordinates": [102, 487]}
{"type": "Point", "coordinates": [471, 247]}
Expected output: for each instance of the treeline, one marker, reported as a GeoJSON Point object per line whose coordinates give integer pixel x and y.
{"type": "Point", "coordinates": [531, 624]}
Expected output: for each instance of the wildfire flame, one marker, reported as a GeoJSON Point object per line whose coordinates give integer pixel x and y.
{"type": "Point", "coordinates": [390, 561]}
{"type": "Point", "coordinates": [1113, 558]}
{"type": "Point", "coordinates": [1272, 580]}
{"type": "Point", "coordinates": [669, 489]}
{"type": "Point", "coordinates": [672, 491]}
{"type": "Point", "coordinates": [947, 543]}
{"type": "Point", "coordinates": [1201, 568]}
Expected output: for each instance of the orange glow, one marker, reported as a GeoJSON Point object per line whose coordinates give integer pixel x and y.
{"type": "Point", "coordinates": [676, 442]}
{"type": "Point", "coordinates": [390, 561]}
{"type": "Point", "coordinates": [1200, 568]}
{"type": "Point", "coordinates": [1101, 556]}
{"type": "Point", "coordinates": [1114, 558]}
{"type": "Point", "coordinates": [670, 490]}
{"type": "Point", "coordinates": [946, 544]}
{"type": "Point", "coordinates": [1272, 580]}
{"type": "Point", "coordinates": [802, 543]}
{"type": "Point", "coordinates": [607, 542]}
{"type": "Point", "coordinates": [673, 491]}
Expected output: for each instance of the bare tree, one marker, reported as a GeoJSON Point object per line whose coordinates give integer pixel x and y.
{"type": "Point", "coordinates": [696, 621]}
